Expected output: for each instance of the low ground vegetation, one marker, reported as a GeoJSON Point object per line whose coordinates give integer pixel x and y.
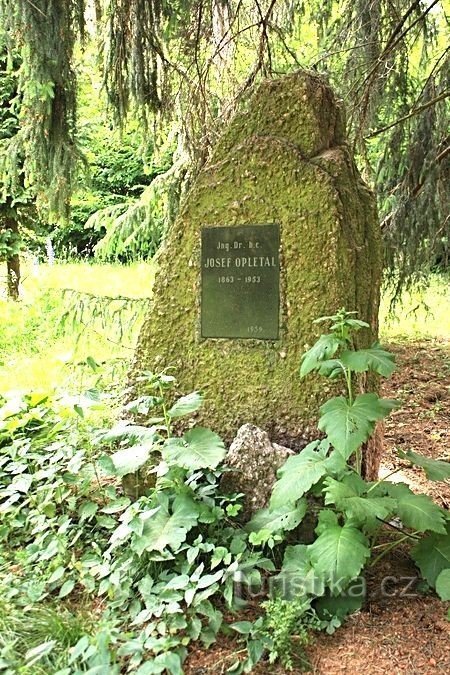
{"type": "Point", "coordinates": [120, 552]}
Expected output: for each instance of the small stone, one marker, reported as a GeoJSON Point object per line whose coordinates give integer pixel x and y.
{"type": "Point", "coordinates": [254, 461]}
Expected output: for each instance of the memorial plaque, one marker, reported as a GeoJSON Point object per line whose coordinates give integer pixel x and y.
{"type": "Point", "coordinates": [240, 282]}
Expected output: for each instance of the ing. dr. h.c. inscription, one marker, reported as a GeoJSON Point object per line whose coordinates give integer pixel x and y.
{"type": "Point", "coordinates": [240, 282]}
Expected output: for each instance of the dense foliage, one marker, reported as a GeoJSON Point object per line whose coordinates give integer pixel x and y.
{"type": "Point", "coordinates": [118, 170]}
{"type": "Point", "coordinates": [120, 549]}
{"type": "Point", "coordinates": [189, 64]}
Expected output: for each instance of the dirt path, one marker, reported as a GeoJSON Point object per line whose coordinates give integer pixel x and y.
{"type": "Point", "coordinates": [401, 630]}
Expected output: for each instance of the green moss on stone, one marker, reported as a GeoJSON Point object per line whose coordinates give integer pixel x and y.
{"type": "Point", "coordinates": [284, 160]}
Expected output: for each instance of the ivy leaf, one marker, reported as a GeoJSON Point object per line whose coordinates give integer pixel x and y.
{"type": "Point", "coordinates": [129, 460]}
{"type": "Point", "coordinates": [300, 472]}
{"type": "Point", "coordinates": [186, 405]}
{"type": "Point", "coordinates": [198, 448]}
{"type": "Point", "coordinates": [374, 359]}
{"type": "Point", "coordinates": [284, 518]}
{"type": "Point", "coordinates": [164, 529]}
{"type": "Point", "coordinates": [325, 348]}
{"type": "Point", "coordinates": [338, 555]}
{"type": "Point", "coordinates": [435, 469]}
{"type": "Point", "coordinates": [432, 555]}
{"type": "Point", "coordinates": [349, 425]}
{"type": "Point", "coordinates": [420, 513]}
{"type": "Point", "coordinates": [443, 584]}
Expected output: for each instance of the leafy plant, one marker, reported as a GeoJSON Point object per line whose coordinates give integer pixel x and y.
{"type": "Point", "coordinates": [321, 576]}
{"type": "Point", "coordinates": [162, 561]}
{"type": "Point", "coordinates": [154, 562]}
{"type": "Point", "coordinates": [282, 633]}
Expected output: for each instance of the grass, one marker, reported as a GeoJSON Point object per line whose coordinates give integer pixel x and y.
{"type": "Point", "coordinates": [24, 632]}
{"type": "Point", "coordinates": [45, 342]}
{"type": "Point", "coordinates": [46, 337]}
{"type": "Point", "coordinates": [423, 315]}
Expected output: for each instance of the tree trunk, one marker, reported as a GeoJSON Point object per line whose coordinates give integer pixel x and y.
{"type": "Point", "coordinates": [13, 265]}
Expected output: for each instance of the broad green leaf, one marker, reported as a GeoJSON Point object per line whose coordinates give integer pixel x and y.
{"type": "Point", "coordinates": [255, 650]}
{"type": "Point", "coordinates": [432, 555]}
{"type": "Point", "coordinates": [395, 490]}
{"type": "Point", "coordinates": [374, 359]}
{"type": "Point", "coordinates": [131, 432]}
{"type": "Point", "coordinates": [164, 529]}
{"type": "Point", "coordinates": [284, 518]}
{"type": "Point", "coordinates": [338, 555]}
{"type": "Point", "coordinates": [420, 513]}
{"type": "Point", "coordinates": [79, 410]}
{"type": "Point", "coordinates": [116, 505]}
{"type": "Point", "coordinates": [186, 405]}
{"type": "Point", "coordinates": [220, 554]}
{"type": "Point", "coordinates": [349, 497]}
{"type": "Point", "coordinates": [198, 448]}
{"type": "Point", "coordinates": [66, 588]}
{"type": "Point", "coordinates": [325, 348]}
{"type": "Point", "coordinates": [300, 472]}
{"type": "Point", "coordinates": [349, 601]}
{"type": "Point", "coordinates": [443, 584]}
{"type": "Point", "coordinates": [87, 510]}
{"type": "Point", "coordinates": [168, 662]}
{"type": "Point", "coordinates": [296, 559]}
{"type": "Point", "coordinates": [349, 425]}
{"type": "Point", "coordinates": [143, 404]}
{"type": "Point", "coordinates": [129, 460]}
{"type": "Point", "coordinates": [35, 398]}
{"type": "Point", "coordinates": [435, 469]}
{"type": "Point", "coordinates": [177, 582]}
{"type": "Point", "coordinates": [327, 518]}
{"type": "Point", "coordinates": [331, 368]}
{"type": "Point", "coordinates": [77, 650]}
{"type": "Point", "coordinates": [298, 576]}
{"type": "Point", "coordinates": [243, 627]}
{"type": "Point", "coordinates": [57, 574]}
{"type": "Point", "coordinates": [21, 483]}
{"type": "Point", "coordinates": [209, 579]}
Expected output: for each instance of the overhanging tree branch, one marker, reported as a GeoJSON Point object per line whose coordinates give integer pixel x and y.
{"type": "Point", "coordinates": [415, 111]}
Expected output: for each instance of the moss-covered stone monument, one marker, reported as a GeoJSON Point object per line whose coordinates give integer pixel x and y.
{"type": "Point", "coordinates": [283, 162]}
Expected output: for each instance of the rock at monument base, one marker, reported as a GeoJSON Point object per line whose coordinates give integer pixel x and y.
{"type": "Point", "coordinates": [254, 461]}
{"type": "Point", "coordinates": [283, 160]}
